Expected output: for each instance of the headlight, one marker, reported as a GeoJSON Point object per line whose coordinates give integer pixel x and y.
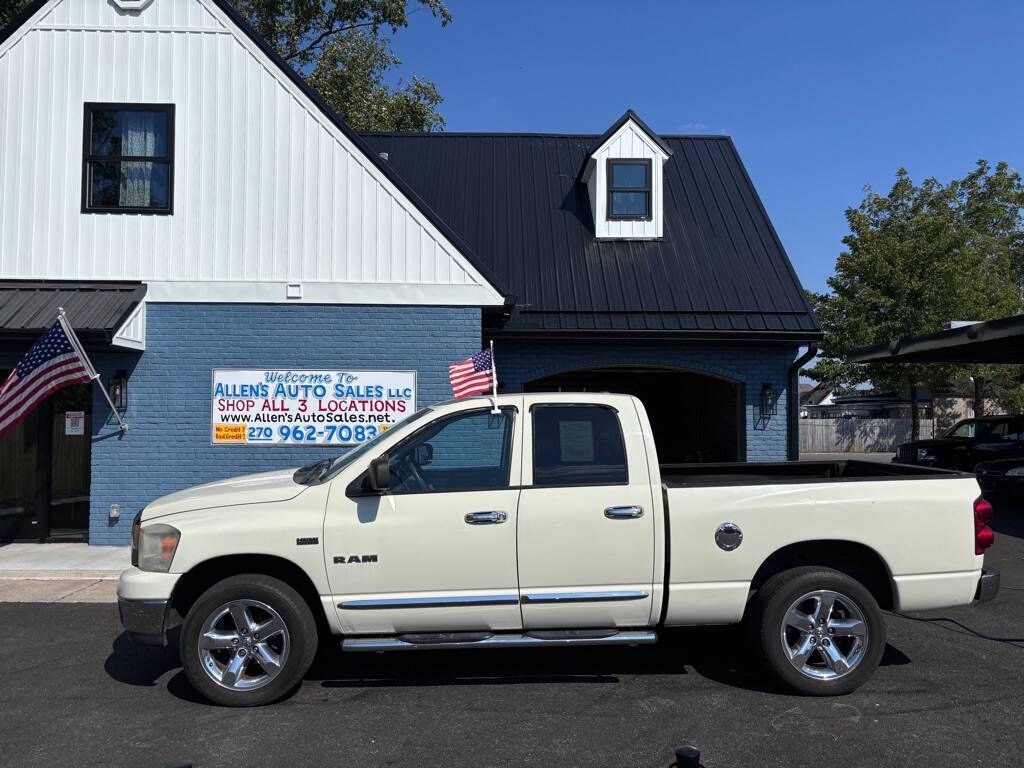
{"type": "Point", "coordinates": [923, 455]}
{"type": "Point", "coordinates": [1015, 472]}
{"type": "Point", "coordinates": [157, 544]}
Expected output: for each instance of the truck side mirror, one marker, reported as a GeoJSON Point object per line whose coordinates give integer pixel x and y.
{"type": "Point", "coordinates": [379, 475]}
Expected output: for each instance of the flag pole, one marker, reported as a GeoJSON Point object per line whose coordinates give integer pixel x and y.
{"type": "Point", "coordinates": [494, 380]}
{"type": "Point", "coordinates": [90, 369]}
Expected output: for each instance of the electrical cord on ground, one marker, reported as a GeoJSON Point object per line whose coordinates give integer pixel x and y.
{"type": "Point", "coordinates": [965, 629]}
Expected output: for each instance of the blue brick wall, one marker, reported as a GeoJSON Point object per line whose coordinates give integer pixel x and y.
{"type": "Point", "coordinates": [167, 446]}
{"type": "Point", "coordinates": [753, 365]}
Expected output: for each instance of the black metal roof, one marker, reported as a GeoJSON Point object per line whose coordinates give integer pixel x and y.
{"type": "Point", "coordinates": [719, 270]}
{"type": "Point", "coordinates": [996, 341]}
{"type": "Point", "coordinates": [95, 309]}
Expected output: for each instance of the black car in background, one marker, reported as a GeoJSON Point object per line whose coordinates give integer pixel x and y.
{"type": "Point", "coordinates": [968, 443]}
{"type": "Point", "coordinates": [1001, 480]}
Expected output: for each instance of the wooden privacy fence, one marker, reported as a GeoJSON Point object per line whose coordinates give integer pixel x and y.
{"type": "Point", "coordinates": [857, 435]}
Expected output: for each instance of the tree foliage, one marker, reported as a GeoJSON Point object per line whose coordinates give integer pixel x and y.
{"type": "Point", "coordinates": [916, 258]}
{"type": "Point", "coordinates": [343, 48]}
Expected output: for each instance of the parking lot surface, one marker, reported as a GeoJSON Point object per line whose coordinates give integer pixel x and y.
{"type": "Point", "coordinates": [950, 692]}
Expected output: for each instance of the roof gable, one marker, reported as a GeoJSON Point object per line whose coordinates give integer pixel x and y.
{"type": "Point", "coordinates": [630, 121]}
{"type": "Point", "coordinates": [50, 21]}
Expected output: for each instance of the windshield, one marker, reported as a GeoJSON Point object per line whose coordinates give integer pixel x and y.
{"type": "Point", "coordinates": [322, 471]}
{"type": "Point", "coordinates": [970, 428]}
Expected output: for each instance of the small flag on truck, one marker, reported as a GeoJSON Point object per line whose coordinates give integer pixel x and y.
{"type": "Point", "coordinates": [473, 376]}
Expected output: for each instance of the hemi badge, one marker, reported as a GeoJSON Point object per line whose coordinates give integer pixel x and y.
{"type": "Point", "coordinates": [307, 540]}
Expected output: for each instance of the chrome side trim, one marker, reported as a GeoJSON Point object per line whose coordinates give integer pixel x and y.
{"type": "Point", "coordinates": [362, 644]}
{"type": "Point", "coordinates": [582, 597]}
{"type": "Point", "coordinates": [453, 601]}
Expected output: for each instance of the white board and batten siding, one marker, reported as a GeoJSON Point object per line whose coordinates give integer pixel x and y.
{"type": "Point", "coordinates": [628, 143]}
{"type": "Point", "coordinates": [268, 191]}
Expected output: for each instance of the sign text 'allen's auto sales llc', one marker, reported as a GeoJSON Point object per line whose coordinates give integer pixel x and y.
{"type": "Point", "coordinates": [325, 407]}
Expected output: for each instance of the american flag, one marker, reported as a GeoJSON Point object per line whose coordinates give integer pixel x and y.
{"type": "Point", "coordinates": [52, 363]}
{"type": "Point", "coordinates": [472, 376]}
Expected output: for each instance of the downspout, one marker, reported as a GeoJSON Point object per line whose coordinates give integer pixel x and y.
{"type": "Point", "coordinates": [793, 402]}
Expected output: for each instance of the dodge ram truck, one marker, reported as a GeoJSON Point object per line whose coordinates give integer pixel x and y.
{"type": "Point", "coordinates": [536, 520]}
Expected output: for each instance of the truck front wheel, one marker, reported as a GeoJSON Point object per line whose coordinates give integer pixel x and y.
{"type": "Point", "coordinates": [820, 631]}
{"type": "Point", "coordinates": [248, 640]}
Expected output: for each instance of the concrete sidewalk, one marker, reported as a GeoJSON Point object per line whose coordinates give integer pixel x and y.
{"type": "Point", "coordinates": [60, 573]}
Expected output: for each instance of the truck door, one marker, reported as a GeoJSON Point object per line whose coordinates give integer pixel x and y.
{"type": "Point", "coordinates": [586, 523]}
{"type": "Point", "coordinates": [437, 552]}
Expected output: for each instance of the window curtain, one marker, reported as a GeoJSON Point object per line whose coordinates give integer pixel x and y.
{"type": "Point", "coordinates": [138, 138]}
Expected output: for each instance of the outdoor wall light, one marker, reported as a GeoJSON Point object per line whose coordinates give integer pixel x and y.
{"type": "Point", "coordinates": [119, 390]}
{"type": "Point", "coordinates": [768, 400]}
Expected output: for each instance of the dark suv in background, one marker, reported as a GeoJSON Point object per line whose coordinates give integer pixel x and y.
{"type": "Point", "coordinates": [968, 443]}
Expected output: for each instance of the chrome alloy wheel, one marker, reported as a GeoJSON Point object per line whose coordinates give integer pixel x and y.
{"type": "Point", "coordinates": [824, 634]}
{"type": "Point", "coordinates": [243, 645]}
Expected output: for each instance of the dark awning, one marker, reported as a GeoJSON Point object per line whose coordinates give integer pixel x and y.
{"type": "Point", "coordinates": [95, 310]}
{"type": "Point", "coordinates": [997, 341]}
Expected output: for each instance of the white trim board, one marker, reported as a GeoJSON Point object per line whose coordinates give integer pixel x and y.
{"type": "Point", "coordinates": [237, 292]}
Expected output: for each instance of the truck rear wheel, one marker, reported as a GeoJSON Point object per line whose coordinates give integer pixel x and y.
{"type": "Point", "coordinates": [820, 631]}
{"type": "Point", "coordinates": [247, 641]}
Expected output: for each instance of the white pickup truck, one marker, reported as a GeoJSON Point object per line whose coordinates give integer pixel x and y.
{"type": "Point", "coordinates": [547, 522]}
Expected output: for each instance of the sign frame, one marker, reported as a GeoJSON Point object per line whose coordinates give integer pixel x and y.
{"type": "Point", "coordinates": [341, 446]}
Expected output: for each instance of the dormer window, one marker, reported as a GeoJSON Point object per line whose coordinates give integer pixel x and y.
{"type": "Point", "coordinates": [629, 190]}
{"type": "Point", "coordinates": [624, 175]}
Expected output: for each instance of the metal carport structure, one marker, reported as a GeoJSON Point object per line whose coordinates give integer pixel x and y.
{"type": "Point", "coordinates": [995, 341]}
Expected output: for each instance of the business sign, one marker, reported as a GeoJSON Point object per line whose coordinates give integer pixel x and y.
{"type": "Point", "coordinates": [326, 407]}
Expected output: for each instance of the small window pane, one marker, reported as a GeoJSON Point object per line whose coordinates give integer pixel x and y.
{"type": "Point", "coordinates": [129, 185]}
{"type": "Point", "coordinates": [629, 175]}
{"type": "Point", "coordinates": [577, 445]}
{"type": "Point", "coordinates": [629, 203]}
{"type": "Point", "coordinates": [128, 133]}
{"type": "Point", "coordinates": [470, 451]}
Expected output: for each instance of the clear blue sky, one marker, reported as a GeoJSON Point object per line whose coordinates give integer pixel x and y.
{"type": "Point", "coordinates": [820, 98]}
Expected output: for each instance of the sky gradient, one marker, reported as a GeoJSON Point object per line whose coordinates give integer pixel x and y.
{"type": "Point", "coordinates": [821, 99]}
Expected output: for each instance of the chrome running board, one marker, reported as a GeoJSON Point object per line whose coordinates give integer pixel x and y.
{"type": "Point", "coordinates": [533, 639]}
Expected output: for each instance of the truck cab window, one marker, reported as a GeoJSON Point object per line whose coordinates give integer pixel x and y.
{"type": "Point", "coordinates": [469, 451]}
{"type": "Point", "coordinates": [577, 445]}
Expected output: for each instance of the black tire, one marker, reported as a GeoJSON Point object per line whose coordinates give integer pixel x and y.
{"type": "Point", "coordinates": [768, 614]}
{"type": "Point", "coordinates": [301, 637]}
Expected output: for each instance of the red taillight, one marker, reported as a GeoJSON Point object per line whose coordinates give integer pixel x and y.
{"type": "Point", "coordinates": [984, 537]}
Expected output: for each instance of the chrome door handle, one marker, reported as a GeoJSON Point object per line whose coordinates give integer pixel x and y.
{"type": "Point", "coordinates": [486, 518]}
{"type": "Point", "coordinates": [624, 513]}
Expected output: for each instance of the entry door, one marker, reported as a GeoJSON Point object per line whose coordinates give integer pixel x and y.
{"type": "Point", "coordinates": [586, 523]}
{"type": "Point", "coordinates": [438, 551]}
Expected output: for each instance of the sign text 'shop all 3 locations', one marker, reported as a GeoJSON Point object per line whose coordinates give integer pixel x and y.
{"type": "Point", "coordinates": [325, 407]}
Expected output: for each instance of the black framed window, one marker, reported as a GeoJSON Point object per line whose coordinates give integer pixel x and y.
{"type": "Point", "coordinates": [128, 158]}
{"type": "Point", "coordinates": [578, 445]}
{"type": "Point", "coordinates": [629, 190]}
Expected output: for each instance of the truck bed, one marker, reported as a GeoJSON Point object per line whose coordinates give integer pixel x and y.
{"type": "Point", "coordinates": [773, 473]}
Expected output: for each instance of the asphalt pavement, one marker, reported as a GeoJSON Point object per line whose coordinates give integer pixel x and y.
{"type": "Point", "coordinates": [950, 692]}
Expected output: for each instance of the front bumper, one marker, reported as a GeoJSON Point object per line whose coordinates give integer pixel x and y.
{"type": "Point", "coordinates": [144, 620]}
{"type": "Point", "coordinates": [988, 585]}
{"type": "Point", "coordinates": [143, 601]}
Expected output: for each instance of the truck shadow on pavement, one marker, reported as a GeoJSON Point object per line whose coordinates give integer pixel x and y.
{"type": "Point", "coordinates": [719, 654]}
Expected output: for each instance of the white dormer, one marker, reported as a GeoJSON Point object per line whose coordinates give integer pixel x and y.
{"type": "Point", "coordinates": [624, 182]}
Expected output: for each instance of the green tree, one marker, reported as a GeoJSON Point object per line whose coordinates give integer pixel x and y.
{"type": "Point", "coordinates": [344, 50]}
{"type": "Point", "coordinates": [916, 258]}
